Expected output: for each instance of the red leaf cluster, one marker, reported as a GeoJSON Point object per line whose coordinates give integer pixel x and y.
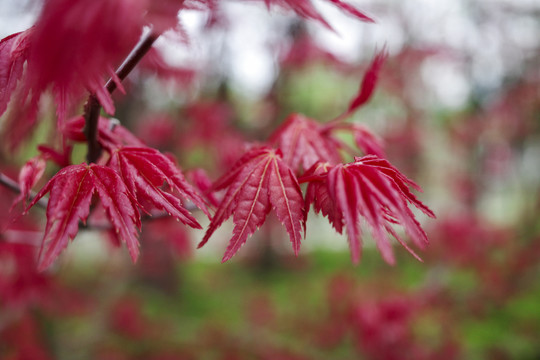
{"type": "Point", "coordinates": [369, 188]}
{"type": "Point", "coordinates": [131, 177]}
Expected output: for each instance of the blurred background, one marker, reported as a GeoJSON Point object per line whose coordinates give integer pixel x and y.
{"type": "Point", "coordinates": [458, 109]}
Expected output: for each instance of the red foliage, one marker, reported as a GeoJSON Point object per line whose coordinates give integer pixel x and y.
{"type": "Point", "coordinates": [370, 188]}
{"type": "Point", "coordinates": [75, 46]}
{"type": "Point", "coordinates": [71, 194]}
{"type": "Point", "coordinates": [258, 182]}
{"type": "Point", "coordinates": [144, 170]}
{"type": "Point", "coordinates": [20, 282]}
{"type": "Point", "coordinates": [369, 81]}
{"type": "Point", "coordinates": [304, 142]}
{"type": "Point", "coordinates": [24, 340]}
{"type": "Point", "coordinates": [13, 54]}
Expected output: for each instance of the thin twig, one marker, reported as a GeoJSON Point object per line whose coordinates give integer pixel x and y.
{"type": "Point", "coordinates": [93, 107]}
{"type": "Point", "coordinates": [104, 226]}
{"type": "Point", "coordinates": [14, 186]}
{"type": "Point", "coordinates": [136, 55]}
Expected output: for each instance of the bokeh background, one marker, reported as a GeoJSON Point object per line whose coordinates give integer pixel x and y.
{"type": "Point", "coordinates": [458, 108]}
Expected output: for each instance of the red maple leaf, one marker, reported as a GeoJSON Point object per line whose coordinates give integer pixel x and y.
{"type": "Point", "coordinates": [145, 170]}
{"type": "Point", "coordinates": [74, 55]}
{"type": "Point", "coordinates": [258, 182]}
{"type": "Point", "coordinates": [318, 195]}
{"type": "Point", "coordinates": [372, 189]}
{"type": "Point", "coordinates": [369, 81]}
{"type": "Point", "coordinates": [305, 142]}
{"type": "Point", "coordinates": [69, 202]}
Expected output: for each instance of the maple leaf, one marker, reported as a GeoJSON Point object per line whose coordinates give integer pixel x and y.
{"type": "Point", "coordinates": [305, 142]}
{"type": "Point", "coordinates": [145, 170]}
{"type": "Point", "coordinates": [317, 195]}
{"type": "Point", "coordinates": [258, 182]}
{"type": "Point", "coordinates": [372, 189]}
{"type": "Point", "coordinates": [75, 44]}
{"type": "Point", "coordinates": [13, 54]}
{"type": "Point", "coordinates": [71, 191]}
{"type": "Point", "coordinates": [369, 81]}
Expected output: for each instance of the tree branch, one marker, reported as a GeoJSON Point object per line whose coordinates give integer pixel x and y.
{"type": "Point", "coordinates": [136, 55]}
{"type": "Point", "coordinates": [14, 186]}
{"type": "Point", "coordinates": [92, 107]}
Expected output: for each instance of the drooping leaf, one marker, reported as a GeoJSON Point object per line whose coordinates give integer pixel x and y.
{"type": "Point", "coordinates": [259, 181]}
{"type": "Point", "coordinates": [73, 55]}
{"type": "Point", "coordinates": [61, 158]}
{"type": "Point", "coordinates": [372, 189]}
{"type": "Point", "coordinates": [369, 81]}
{"type": "Point", "coordinates": [13, 54]}
{"type": "Point", "coordinates": [145, 171]}
{"type": "Point", "coordinates": [71, 191]}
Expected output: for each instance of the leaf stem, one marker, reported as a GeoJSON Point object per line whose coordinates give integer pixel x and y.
{"type": "Point", "coordinates": [92, 107]}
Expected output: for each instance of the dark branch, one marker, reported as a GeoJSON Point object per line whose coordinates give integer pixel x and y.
{"type": "Point", "coordinates": [92, 108]}
{"type": "Point", "coordinates": [14, 186]}
{"type": "Point", "coordinates": [136, 55]}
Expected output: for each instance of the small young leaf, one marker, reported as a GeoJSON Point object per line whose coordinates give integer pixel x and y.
{"type": "Point", "coordinates": [369, 81]}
